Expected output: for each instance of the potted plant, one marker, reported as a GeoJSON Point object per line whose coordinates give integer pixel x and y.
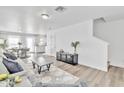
{"type": "Point", "coordinates": [19, 43]}
{"type": "Point", "coordinates": [3, 45]}
{"type": "Point", "coordinates": [74, 45]}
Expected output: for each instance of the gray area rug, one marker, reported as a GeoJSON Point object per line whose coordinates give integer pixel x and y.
{"type": "Point", "coordinates": [54, 76]}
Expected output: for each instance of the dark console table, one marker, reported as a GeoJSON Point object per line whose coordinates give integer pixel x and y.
{"type": "Point", "coordinates": [66, 57]}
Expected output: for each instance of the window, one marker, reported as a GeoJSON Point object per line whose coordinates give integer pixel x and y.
{"type": "Point", "coordinates": [13, 42]}
{"type": "Point", "coordinates": [1, 41]}
{"type": "Point", "coordinates": [30, 43]}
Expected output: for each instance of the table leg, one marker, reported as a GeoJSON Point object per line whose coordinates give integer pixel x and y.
{"type": "Point", "coordinates": [39, 69]}
{"type": "Point", "coordinates": [48, 66]}
{"type": "Point", "coordinates": [33, 65]}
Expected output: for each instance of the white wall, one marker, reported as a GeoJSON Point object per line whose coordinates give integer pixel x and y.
{"type": "Point", "coordinates": [51, 47]}
{"type": "Point", "coordinates": [79, 32]}
{"type": "Point", "coordinates": [112, 32]}
{"type": "Point", "coordinates": [92, 51]}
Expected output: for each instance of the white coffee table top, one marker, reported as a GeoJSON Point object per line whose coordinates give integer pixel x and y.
{"type": "Point", "coordinates": [41, 61]}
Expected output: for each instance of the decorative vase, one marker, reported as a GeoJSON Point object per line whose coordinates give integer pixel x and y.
{"type": "Point", "coordinates": [11, 81]}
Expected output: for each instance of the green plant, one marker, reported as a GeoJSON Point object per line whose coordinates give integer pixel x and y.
{"type": "Point", "coordinates": [1, 45]}
{"type": "Point", "coordinates": [74, 45]}
{"type": "Point", "coordinates": [4, 45]}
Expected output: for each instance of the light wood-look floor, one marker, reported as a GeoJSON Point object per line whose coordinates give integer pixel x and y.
{"type": "Point", "coordinates": [95, 78]}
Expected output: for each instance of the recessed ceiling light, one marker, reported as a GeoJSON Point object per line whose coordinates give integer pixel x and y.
{"type": "Point", "coordinates": [45, 16]}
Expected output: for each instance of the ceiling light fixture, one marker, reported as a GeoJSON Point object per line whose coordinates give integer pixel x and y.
{"type": "Point", "coordinates": [60, 9]}
{"type": "Point", "coordinates": [45, 16]}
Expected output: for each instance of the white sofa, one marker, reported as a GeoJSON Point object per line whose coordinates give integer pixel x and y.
{"type": "Point", "coordinates": [23, 74]}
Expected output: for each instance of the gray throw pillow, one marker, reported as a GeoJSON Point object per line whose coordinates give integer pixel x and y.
{"type": "Point", "coordinates": [10, 56]}
{"type": "Point", "coordinates": [12, 67]}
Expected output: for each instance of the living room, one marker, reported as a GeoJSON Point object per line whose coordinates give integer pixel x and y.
{"type": "Point", "coordinates": [61, 46]}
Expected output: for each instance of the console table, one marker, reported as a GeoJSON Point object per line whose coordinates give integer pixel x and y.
{"type": "Point", "coordinates": [67, 57]}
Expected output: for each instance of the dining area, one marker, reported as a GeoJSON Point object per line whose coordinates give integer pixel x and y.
{"type": "Point", "coordinates": [20, 52]}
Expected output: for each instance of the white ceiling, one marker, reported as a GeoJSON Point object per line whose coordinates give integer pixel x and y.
{"type": "Point", "coordinates": [27, 19]}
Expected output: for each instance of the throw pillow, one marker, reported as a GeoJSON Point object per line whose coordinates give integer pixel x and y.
{"type": "Point", "coordinates": [3, 76]}
{"type": "Point", "coordinates": [12, 67]}
{"type": "Point", "coordinates": [10, 56]}
{"type": "Point", "coordinates": [18, 79]}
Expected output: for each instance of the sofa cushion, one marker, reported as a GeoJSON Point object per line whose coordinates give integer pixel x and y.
{"type": "Point", "coordinates": [24, 66]}
{"type": "Point", "coordinates": [10, 56]}
{"type": "Point", "coordinates": [12, 67]}
{"type": "Point", "coordinates": [2, 67]}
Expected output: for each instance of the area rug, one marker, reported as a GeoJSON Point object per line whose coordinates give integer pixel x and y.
{"type": "Point", "coordinates": [54, 76]}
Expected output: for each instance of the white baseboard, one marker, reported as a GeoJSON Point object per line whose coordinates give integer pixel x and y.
{"type": "Point", "coordinates": [117, 65]}
{"type": "Point", "coordinates": [105, 69]}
